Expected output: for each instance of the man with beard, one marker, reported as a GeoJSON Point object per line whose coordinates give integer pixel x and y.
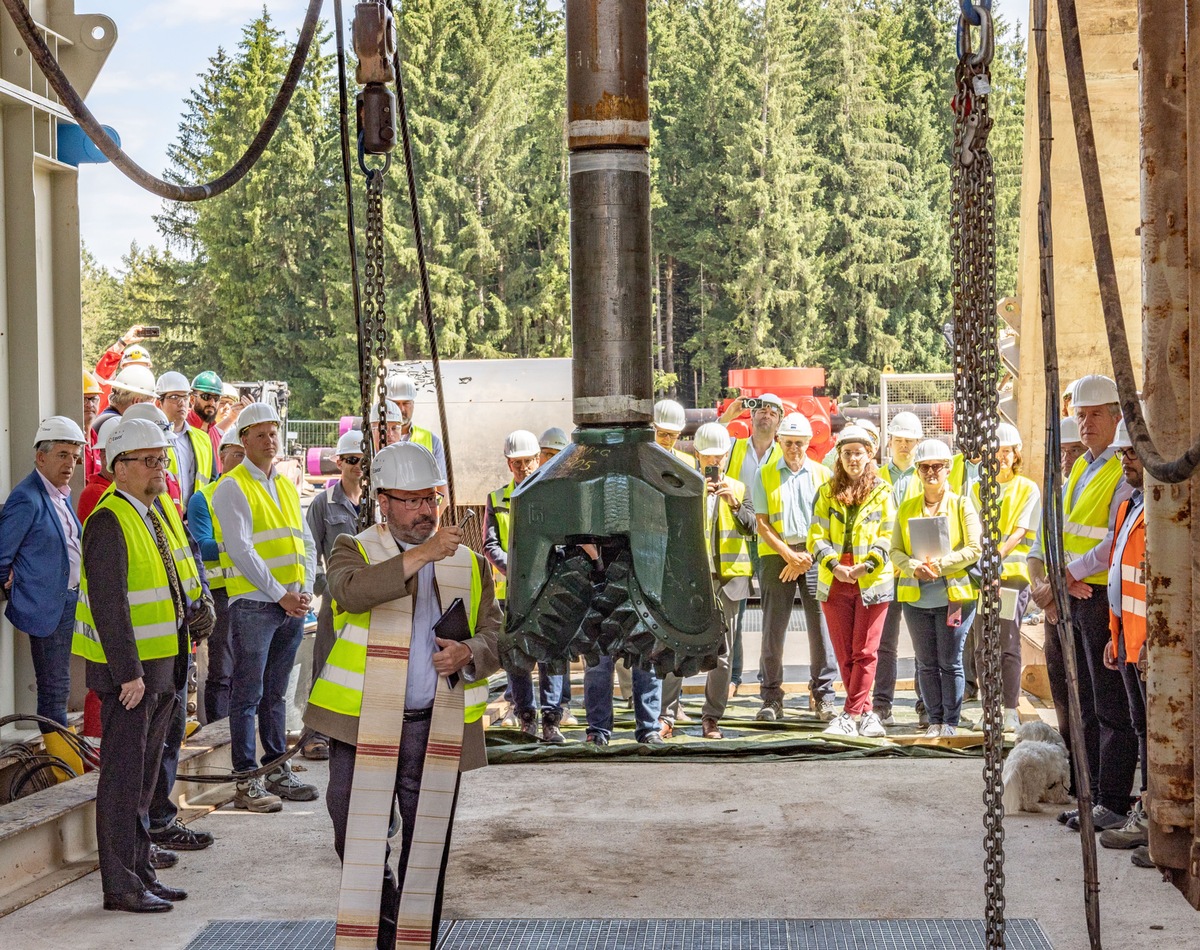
{"type": "Point", "coordinates": [391, 583]}
{"type": "Point", "coordinates": [207, 390]}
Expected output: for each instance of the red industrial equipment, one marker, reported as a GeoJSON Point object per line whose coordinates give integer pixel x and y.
{"type": "Point", "coordinates": [801, 389]}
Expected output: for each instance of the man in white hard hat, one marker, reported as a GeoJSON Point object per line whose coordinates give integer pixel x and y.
{"type": "Point", "coordinates": [522, 453]}
{"type": "Point", "coordinates": [332, 513]}
{"type": "Point", "coordinates": [402, 393]}
{"type": "Point", "coordinates": [905, 431]}
{"type": "Point", "coordinates": [206, 529]}
{"type": "Point", "coordinates": [783, 495]}
{"type": "Point", "coordinates": [552, 442]}
{"type": "Point", "coordinates": [670, 419]}
{"type": "Point", "coordinates": [193, 461]}
{"type": "Point", "coordinates": [97, 483]}
{"type": "Point", "coordinates": [133, 385]}
{"type": "Point", "coordinates": [270, 564]}
{"type": "Point", "coordinates": [392, 582]}
{"type": "Point", "coordinates": [1095, 490]}
{"type": "Point", "coordinates": [729, 523]}
{"type": "Point", "coordinates": [1071, 446]}
{"type": "Point", "coordinates": [127, 351]}
{"type": "Point", "coordinates": [140, 591]}
{"type": "Point", "coordinates": [150, 412]}
{"type": "Point", "coordinates": [40, 550]}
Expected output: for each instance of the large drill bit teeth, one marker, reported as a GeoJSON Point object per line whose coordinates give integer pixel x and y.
{"type": "Point", "coordinates": [553, 634]}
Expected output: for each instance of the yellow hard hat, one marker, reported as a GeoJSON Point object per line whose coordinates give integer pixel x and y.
{"type": "Point", "coordinates": [91, 385]}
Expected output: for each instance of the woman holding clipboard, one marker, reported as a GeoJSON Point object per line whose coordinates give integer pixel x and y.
{"type": "Point", "coordinates": [936, 538]}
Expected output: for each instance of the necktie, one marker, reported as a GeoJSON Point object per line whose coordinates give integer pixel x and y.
{"type": "Point", "coordinates": [164, 550]}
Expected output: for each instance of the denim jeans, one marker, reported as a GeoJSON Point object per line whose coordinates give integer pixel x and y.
{"type": "Point", "coordinates": [52, 665]}
{"type": "Point", "coordinates": [597, 699]}
{"type": "Point", "coordinates": [550, 692]}
{"type": "Point", "coordinates": [265, 640]}
{"type": "Point", "coordinates": [939, 650]}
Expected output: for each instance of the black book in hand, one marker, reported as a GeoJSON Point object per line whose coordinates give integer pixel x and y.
{"type": "Point", "coordinates": [453, 625]}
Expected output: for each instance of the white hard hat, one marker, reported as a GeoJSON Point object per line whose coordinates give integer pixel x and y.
{"type": "Point", "coordinates": [852, 434]}
{"type": "Point", "coordinates": [770, 399]}
{"type": "Point", "coordinates": [1007, 434]}
{"type": "Point", "coordinates": [148, 412]}
{"type": "Point", "coordinates": [400, 386]}
{"type": "Point", "coordinates": [255, 413]}
{"type": "Point", "coordinates": [554, 438]}
{"type": "Point", "coordinates": [521, 444]}
{"type": "Point", "coordinates": [351, 443]}
{"type": "Point", "coordinates": [172, 382]}
{"type": "Point", "coordinates": [1122, 440]}
{"type": "Point", "coordinates": [136, 355]}
{"type": "Point", "coordinates": [105, 430]}
{"type": "Point", "coordinates": [669, 416]}
{"type": "Point", "coordinates": [229, 391]}
{"type": "Point", "coordinates": [405, 466]}
{"type": "Point", "coordinates": [869, 426]}
{"type": "Point", "coordinates": [231, 437]}
{"type": "Point", "coordinates": [393, 412]}
{"type": "Point", "coordinates": [932, 450]}
{"type": "Point", "coordinates": [906, 425]}
{"type": "Point", "coordinates": [135, 379]}
{"type": "Point", "coordinates": [712, 438]}
{"type": "Point", "coordinates": [132, 435]}
{"type": "Point", "coordinates": [1094, 390]}
{"type": "Point", "coordinates": [59, 429]}
{"type": "Point", "coordinates": [1068, 430]}
{"type": "Point", "coordinates": [796, 425]}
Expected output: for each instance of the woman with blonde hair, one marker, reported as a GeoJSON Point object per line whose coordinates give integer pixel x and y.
{"type": "Point", "coordinates": [849, 538]}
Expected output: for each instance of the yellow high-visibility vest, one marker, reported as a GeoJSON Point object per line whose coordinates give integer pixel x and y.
{"type": "Point", "coordinates": [277, 533]}
{"type": "Point", "coordinates": [737, 458]}
{"type": "Point", "coordinates": [733, 549]}
{"type": "Point", "coordinates": [1018, 494]}
{"type": "Point", "coordinates": [772, 483]}
{"type": "Point", "coordinates": [959, 588]}
{"type": "Point", "coordinates": [151, 608]}
{"type": "Point", "coordinates": [1086, 521]}
{"type": "Point", "coordinates": [339, 688]}
{"type": "Point", "coordinates": [203, 451]}
{"type": "Point", "coordinates": [501, 500]}
{"type": "Point", "coordinates": [872, 534]}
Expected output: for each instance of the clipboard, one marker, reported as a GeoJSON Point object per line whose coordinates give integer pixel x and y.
{"type": "Point", "coordinates": [929, 537]}
{"type": "Point", "coordinates": [453, 625]}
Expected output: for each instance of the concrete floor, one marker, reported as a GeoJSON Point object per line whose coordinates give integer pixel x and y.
{"type": "Point", "coordinates": [884, 838]}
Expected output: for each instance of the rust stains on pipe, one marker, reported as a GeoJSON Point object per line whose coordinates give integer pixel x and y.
{"type": "Point", "coordinates": [608, 89]}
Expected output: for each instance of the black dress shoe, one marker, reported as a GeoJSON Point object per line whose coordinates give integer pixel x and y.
{"type": "Point", "coordinates": [172, 894]}
{"type": "Point", "coordinates": [162, 858]}
{"type": "Point", "coordinates": [137, 902]}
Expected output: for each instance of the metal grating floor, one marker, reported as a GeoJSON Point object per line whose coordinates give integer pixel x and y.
{"type": "Point", "coordinates": [623, 934]}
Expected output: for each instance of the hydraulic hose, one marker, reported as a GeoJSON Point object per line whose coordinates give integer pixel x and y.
{"type": "Point", "coordinates": [46, 62]}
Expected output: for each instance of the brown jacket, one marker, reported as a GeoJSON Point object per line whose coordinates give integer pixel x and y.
{"type": "Point", "coordinates": [358, 586]}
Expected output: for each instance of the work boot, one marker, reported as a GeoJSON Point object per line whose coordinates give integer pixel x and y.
{"type": "Point", "coordinates": [709, 728]}
{"type": "Point", "coordinates": [178, 837]}
{"type": "Point", "coordinates": [161, 858]}
{"type": "Point", "coordinates": [315, 748]}
{"type": "Point", "coordinates": [1103, 819]}
{"type": "Point", "coordinates": [1133, 834]}
{"type": "Point", "coordinates": [283, 782]}
{"type": "Point", "coordinates": [1140, 857]}
{"type": "Point", "coordinates": [253, 796]}
{"type": "Point", "coordinates": [551, 732]}
{"type": "Point", "coordinates": [771, 712]}
{"type": "Point", "coordinates": [529, 724]}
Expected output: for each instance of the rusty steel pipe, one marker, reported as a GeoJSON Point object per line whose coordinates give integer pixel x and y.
{"type": "Point", "coordinates": [608, 135]}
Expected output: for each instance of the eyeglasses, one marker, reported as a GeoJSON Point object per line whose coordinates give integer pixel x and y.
{"type": "Point", "coordinates": [150, 461]}
{"type": "Point", "coordinates": [90, 399]}
{"type": "Point", "coordinates": [415, 504]}
{"type": "Point", "coordinates": [176, 397]}
{"type": "Point", "coordinates": [352, 459]}
{"type": "Point", "coordinates": [205, 397]}
{"type": "Point", "coordinates": [931, 468]}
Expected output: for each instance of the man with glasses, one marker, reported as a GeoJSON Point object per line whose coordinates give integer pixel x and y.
{"type": "Point", "coordinates": [92, 394]}
{"type": "Point", "coordinates": [193, 459]}
{"type": "Point", "coordinates": [269, 563]}
{"type": "Point", "coordinates": [207, 391]}
{"type": "Point", "coordinates": [332, 513]}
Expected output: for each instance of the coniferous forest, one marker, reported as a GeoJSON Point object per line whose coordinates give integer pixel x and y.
{"type": "Point", "coordinates": [800, 172]}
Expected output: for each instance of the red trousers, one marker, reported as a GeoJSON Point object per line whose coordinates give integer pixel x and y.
{"type": "Point", "coordinates": [855, 630]}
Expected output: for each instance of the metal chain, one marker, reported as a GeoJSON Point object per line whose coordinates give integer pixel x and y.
{"type": "Point", "coordinates": [976, 403]}
{"type": "Point", "coordinates": [374, 331]}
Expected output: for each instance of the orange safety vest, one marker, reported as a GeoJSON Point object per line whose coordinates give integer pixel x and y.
{"type": "Point", "coordinates": [1130, 620]}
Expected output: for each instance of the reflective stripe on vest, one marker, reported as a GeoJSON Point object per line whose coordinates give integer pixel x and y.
{"type": "Point", "coordinates": [202, 450]}
{"type": "Point", "coordinates": [772, 483]}
{"type": "Point", "coordinates": [1132, 625]}
{"type": "Point", "coordinates": [733, 549]}
{"type": "Point", "coordinates": [1086, 522]}
{"type": "Point", "coordinates": [872, 527]}
{"type": "Point", "coordinates": [737, 459]}
{"type": "Point", "coordinates": [277, 532]}
{"type": "Point", "coordinates": [501, 500]}
{"type": "Point", "coordinates": [959, 588]}
{"type": "Point", "coordinates": [340, 685]}
{"type": "Point", "coordinates": [1016, 496]}
{"type": "Point", "coordinates": [151, 608]}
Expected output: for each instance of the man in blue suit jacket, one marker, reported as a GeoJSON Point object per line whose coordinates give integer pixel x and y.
{"type": "Point", "coordinates": [39, 561]}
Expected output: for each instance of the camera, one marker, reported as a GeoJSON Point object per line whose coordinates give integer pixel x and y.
{"type": "Point", "coordinates": [712, 473]}
{"type": "Point", "coordinates": [146, 333]}
{"type": "Point", "coordinates": [751, 403]}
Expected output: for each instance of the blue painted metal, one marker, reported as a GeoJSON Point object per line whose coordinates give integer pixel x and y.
{"type": "Point", "coordinates": [75, 148]}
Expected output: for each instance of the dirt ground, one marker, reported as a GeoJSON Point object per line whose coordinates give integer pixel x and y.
{"type": "Point", "coordinates": [874, 838]}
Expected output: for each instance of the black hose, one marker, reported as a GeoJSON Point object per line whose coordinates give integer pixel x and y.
{"type": "Point", "coordinates": [1170, 471]}
{"type": "Point", "coordinates": [43, 762]}
{"type": "Point", "coordinates": [46, 62]}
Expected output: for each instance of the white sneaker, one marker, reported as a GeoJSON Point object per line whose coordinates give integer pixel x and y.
{"type": "Point", "coordinates": [842, 725]}
{"type": "Point", "coordinates": [948, 730]}
{"type": "Point", "coordinates": [870, 726]}
{"type": "Point", "coordinates": [1012, 720]}
{"type": "Point", "coordinates": [934, 732]}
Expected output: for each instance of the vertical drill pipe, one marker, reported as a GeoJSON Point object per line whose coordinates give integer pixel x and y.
{"type": "Point", "coordinates": [608, 135]}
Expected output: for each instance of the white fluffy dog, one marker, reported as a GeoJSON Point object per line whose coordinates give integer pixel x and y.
{"type": "Point", "coordinates": [1037, 769]}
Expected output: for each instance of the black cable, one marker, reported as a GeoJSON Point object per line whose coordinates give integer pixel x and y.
{"type": "Point", "coordinates": [222, 778]}
{"type": "Point", "coordinates": [43, 763]}
{"type": "Point", "coordinates": [46, 62]}
{"type": "Point", "coordinates": [422, 265]}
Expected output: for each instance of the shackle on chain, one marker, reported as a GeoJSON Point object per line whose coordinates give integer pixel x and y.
{"type": "Point", "coordinates": [980, 17]}
{"type": "Point", "coordinates": [375, 106]}
{"type": "Point", "coordinates": [971, 10]}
